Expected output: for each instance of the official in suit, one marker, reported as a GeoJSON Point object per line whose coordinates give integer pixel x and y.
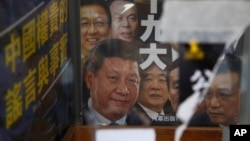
{"type": "Point", "coordinates": [154, 95]}
{"type": "Point", "coordinates": [112, 78]}
{"type": "Point", "coordinates": [223, 96]}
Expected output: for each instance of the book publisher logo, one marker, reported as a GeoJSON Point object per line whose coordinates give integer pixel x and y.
{"type": "Point", "coordinates": [239, 132]}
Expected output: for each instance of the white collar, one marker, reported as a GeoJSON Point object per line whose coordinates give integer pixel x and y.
{"type": "Point", "coordinates": [152, 114]}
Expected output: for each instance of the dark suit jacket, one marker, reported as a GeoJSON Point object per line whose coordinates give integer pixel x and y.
{"type": "Point", "coordinates": [158, 123]}
{"type": "Point", "coordinates": [201, 119]}
{"type": "Point", "coordinates": [132, 117]}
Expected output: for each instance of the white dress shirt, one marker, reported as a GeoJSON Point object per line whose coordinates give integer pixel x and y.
{"type": "Point", "coordinates": [152, 114]}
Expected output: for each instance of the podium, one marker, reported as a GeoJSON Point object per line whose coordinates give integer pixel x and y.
{"type": "Point", "coordinates": [86, 133]}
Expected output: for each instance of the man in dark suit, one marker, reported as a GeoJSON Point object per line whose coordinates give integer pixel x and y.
{"type": "Point", "coordinates": [154, 94]}
{"type": "Point", "coordinates": [112, 77]}
{"type": "Point", "coordinates": [223, 96]}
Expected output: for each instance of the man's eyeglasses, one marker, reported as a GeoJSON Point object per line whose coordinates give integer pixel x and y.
{"type": "Point", "coordinates": [221, 94]}
{"type": "Point", "coordinates": [87, 24]}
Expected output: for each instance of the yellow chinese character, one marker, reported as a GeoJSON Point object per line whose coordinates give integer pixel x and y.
{"type": "Point", "coordinates": [11, 51]}
{"type": "Point", "coordinates": [63, 11]}
{"type": "Point", "coordinates": [42, 28]}
{"type": "Point", "coordinates": [63, 48]}
{"type": "Point", "coordinates": [13, 105]}
{"type": "Point", "coordinates": [43, 73]}
{"type": "Point", "coordinates": [194, 52]}
{"type": "Point", "coordinates": [30, 88]}
{"type": "Point", "coordinates": [54, 59]}
{"type": "Point", "coordinates": [28, 39]}
{"type": "Point", "coordinates": [53, 17]}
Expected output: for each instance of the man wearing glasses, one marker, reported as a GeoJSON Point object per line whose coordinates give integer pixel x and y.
{"type": "Point", "coordinates": [95, 23]}
{"type": "Point", "coordinates": [223, 97]}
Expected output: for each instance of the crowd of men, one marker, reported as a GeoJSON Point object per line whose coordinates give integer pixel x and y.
{"type": "Point", "coordinates": [121, 92]}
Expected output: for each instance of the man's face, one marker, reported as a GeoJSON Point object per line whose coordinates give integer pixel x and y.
{"type": "Point", "coordinates": [222, 99]}
{"type": "Point", "coordinates": [114, 88]}
{"type": "Point", "coordinates": [94, 26]}
{"type": "Point", "coordinates": [174, 88]}
{"type": "Point", "coordinates": [154, 90]}
{"type": "Point", "coordinates": [124, 20]}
